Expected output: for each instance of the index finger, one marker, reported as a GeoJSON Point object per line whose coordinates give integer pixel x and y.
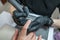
{"type": "Point", "coordinates": [25, 27]}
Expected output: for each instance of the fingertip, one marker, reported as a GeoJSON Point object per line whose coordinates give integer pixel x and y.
{"type": "Point", "coordinates": [40, 37]}
{"type": "Point", "coordinates": [16, 30]}
{"type": "Point", "coordinates": [29, 20]}
{"type": "Point", "coordinates": [27, 24]}
{"type": "Point", "coordinates": [25, 27]}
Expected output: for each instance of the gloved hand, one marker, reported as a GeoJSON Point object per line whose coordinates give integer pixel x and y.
{"type": "Point", "coordinates": [19, 17]}
{"type": "Point", "coordinates": [40, 22]}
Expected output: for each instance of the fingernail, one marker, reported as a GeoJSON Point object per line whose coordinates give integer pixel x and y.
{"type": "Point", "coordinates": [40, 36]}
{"type": "Point", "coordinates": [29, 20]}
{"type": "Point", "coordinates": [16, 29]}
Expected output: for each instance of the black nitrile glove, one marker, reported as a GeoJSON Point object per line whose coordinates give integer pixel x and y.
{"type": "Point", "coordinates": [19, 17]}
{"type": "Point", "coordinates": [40, 22]}
{"type": "Point", "coordinates": [45, 20]}
{"type": "Point", "coordinates": [18, 14]}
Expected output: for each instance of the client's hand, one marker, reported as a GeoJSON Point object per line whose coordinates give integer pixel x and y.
{"type": "Point", "coordinates": [22, 35]}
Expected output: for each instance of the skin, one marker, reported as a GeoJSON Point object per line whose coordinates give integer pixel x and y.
{"type": "Point", "coordinates": [22, 34]}
{"type": "Point", "coordinates": [55, 24]}
{"type": "Point", "coordinates": [56, 21]}
{"type": "Point", "coordinates": [31, 36]}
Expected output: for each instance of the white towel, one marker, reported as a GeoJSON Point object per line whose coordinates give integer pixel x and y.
{"type": "Point", "coordinates": [6, 18]}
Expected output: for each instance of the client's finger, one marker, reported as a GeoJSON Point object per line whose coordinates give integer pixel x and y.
{"type": "Point", "coordinates": [25, 27]}
{"type": "Point", "coordinates": [40, 38]}
{"type": "Point", "coordinates": [34, 37]}
{"type": "Point", "coordinates": [29, 36]}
